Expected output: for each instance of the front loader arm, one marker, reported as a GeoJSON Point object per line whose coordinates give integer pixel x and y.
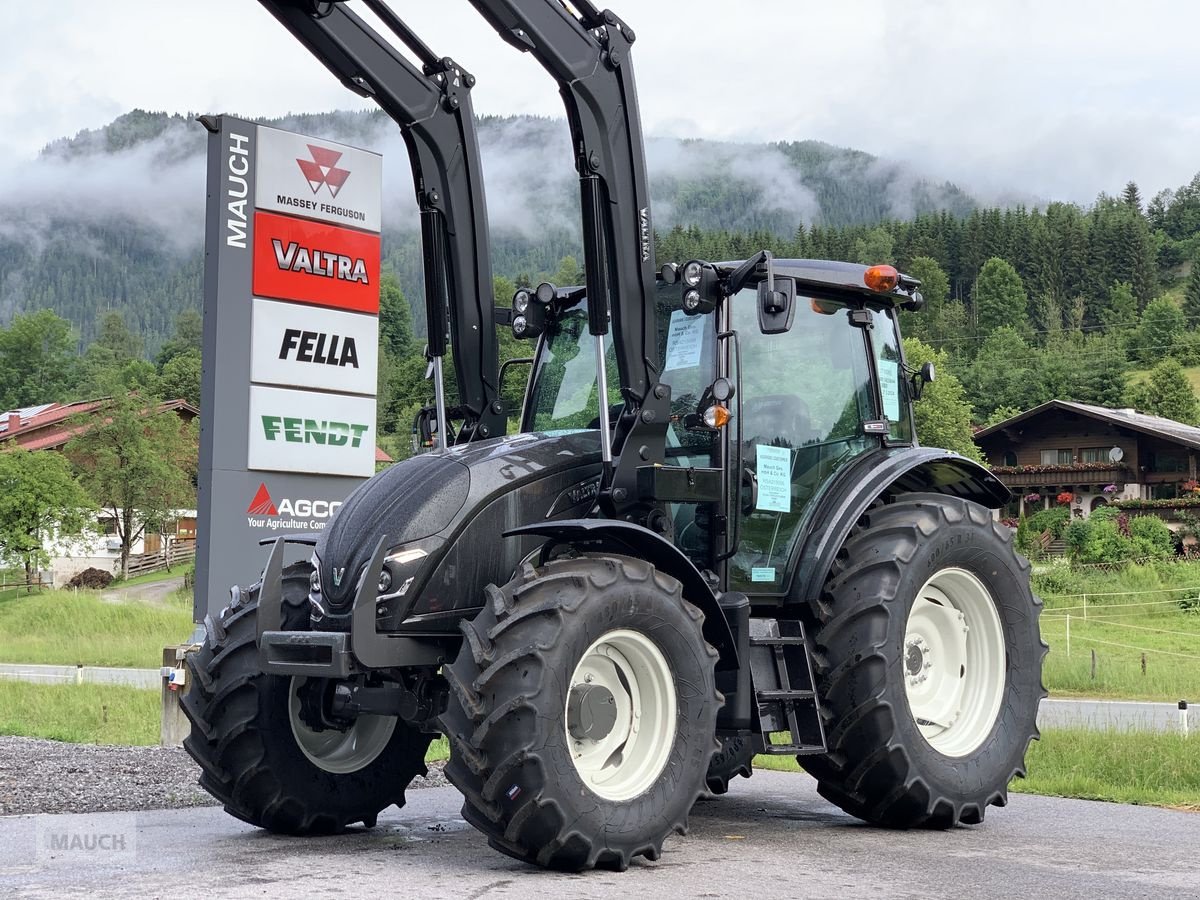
{"type": "Point", "coordinates": [588, 56]}
{"type": "Point", "coordinates": [433, 108]}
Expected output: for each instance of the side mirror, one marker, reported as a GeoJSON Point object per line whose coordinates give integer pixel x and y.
{"type": "Point", "coordinates": [776, 304]}
{"type": "Point", "coordinates": [924, 376]}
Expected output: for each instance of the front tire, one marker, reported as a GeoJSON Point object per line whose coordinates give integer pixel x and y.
{"type": "Point", "coordinates": [256, 754]}
{"type": "Point", "coordinates": [929, 663]}
{"type": "Point", "coordinates": [582, 713]}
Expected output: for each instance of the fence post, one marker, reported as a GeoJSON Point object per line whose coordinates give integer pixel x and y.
{"type": "Point", "coordinates": [1093, 665]}
{"type": "Point", "coordinates": [1143, 665]}
{"type": "Point", "coordinates": [1068, 635]}
{"type": "Point", "coordinates": [1183, 717]}
{"type": "Point", "coordinates": [1085, 607]}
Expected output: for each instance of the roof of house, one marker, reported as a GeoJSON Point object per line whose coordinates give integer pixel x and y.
{"type": "Point", "coordinates": [47, 427]}
{"type": "Point", "coordinates": [1156, 426]}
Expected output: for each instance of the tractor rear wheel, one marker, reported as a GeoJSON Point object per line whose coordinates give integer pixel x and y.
{"type": "Point", "coordinates": [582, 711]}
{"type": "Point", "coordinates": [257, 753]}
{"type": "Point", "coordinates": [929, 664]}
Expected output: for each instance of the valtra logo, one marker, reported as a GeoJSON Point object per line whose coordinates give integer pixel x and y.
{"type": "Point", "coordinates": [311, 262]}
{"type": "Point", "coordinates": [322, 169]}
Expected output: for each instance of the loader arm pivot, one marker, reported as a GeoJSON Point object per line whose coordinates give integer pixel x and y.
{"type": "Point", "coordinates": [587, 54]}
{"type": "Point", "coordinates": [433, 108]}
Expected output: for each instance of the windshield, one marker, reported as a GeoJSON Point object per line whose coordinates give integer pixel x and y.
{"type": "Point", "coordinates": [564, 395]}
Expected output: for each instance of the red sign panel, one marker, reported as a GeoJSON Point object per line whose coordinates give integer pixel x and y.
{"type": "Point", "coordinates": [295, 259]}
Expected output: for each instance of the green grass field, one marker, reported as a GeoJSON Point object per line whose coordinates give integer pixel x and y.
{"type": "Point", "coordinates": [67, 628]}
{"type": "Point", "coordinates": [80, 714]}
{"type": "Point", "coordinates": [1122, 616]}
{"type": "Point", "coordinates": [1122, 767]}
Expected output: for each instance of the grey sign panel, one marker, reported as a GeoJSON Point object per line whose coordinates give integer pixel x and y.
{"type": "Point", "coordinates": [236, 507]}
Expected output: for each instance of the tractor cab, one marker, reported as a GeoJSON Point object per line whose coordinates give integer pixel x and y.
{"type": "Point", "coordinates": [786, 402]}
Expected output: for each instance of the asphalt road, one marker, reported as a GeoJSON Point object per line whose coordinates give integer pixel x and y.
{"type": "Point", "coordinates": [1118, 715]}
{"type": "Point", "coordinates": [773, 837]}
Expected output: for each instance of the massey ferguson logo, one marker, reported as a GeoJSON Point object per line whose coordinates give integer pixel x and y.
{"type": "Point", "coordinates": [299, 514]}
{"type": "Point", "coordinates": [294, 258]}
{"type": "Point", "coordinates": [322, 169]}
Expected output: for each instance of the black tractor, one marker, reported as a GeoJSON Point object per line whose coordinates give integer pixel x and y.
{"type": "Point", "coordinates": [713, 536]}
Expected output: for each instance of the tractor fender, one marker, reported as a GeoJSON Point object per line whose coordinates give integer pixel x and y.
{"type": "Point", "coordinates": [895, 471]}
{"type": "Point", "coordinates": [629, 539]}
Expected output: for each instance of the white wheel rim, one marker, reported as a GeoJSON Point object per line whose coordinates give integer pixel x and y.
{"type": "Point", "coordinates": [629, 758]}
{"type": "Point", "coordinates": [954, 662]}
{"type": "Point", "coordinates": [339, 752]}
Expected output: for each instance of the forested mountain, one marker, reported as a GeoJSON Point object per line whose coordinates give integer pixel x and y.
{"type": "Point", "coordinates": [1025, 302]}
{"type": "Point", "coordinates": [113, 218]}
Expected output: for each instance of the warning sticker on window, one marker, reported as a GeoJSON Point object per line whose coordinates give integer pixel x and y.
{"type": "Point", "coordinates": [762, 573]}
{"type": "Point", "coordinates": [685, 340]}
{"type": "Point", "coordinates": [774, 471]}
{"type": "Point", "coordinates": [889, 387]}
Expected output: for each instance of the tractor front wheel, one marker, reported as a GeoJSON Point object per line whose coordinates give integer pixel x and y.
{"type": "Point", "coordinates": [582, 713]}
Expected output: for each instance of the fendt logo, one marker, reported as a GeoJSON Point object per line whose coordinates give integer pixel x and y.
{"type": "Point", "coordinates": [313, 431]}
{"type": "Point", "coordinates": [322, 169]}
{"type": "Point", "coordinates": [294, 514]}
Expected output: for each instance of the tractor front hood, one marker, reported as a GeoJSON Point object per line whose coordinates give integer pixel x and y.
{"type": "Point", "coordinates": [455, 503]}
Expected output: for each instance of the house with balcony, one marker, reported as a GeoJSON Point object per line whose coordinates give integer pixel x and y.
{"type": "Point", "coordinates": [1095, 454]}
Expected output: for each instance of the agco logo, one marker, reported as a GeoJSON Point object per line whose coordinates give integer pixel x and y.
{"type": "Point", "coordinates": [263, 505]}
{"type": "Point", "coordinates": [322, 169]}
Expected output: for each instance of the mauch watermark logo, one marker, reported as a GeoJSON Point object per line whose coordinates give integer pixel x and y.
{"type": "Point", "coordinates": [95, 839]}
{"type": "Point", "coordinates": [322, 169]}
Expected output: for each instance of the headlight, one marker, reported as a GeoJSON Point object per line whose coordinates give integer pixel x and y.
{"type": "Point", "coordinates": [518, 325]}
{"type": "Point", "coordinates": [385, 580]}
{"type": "Point", "coordinates": [691, 274]}
{"type": "Point", "coordinates": [521, 301]}
{"type": "Point", "coordinates": [691, 300]}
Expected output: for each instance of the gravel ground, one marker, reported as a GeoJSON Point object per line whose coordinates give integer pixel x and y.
{"type": "Point", "coordinates": [38, 776]}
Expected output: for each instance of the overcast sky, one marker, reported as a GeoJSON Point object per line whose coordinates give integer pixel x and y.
{"type": "Point", "coordinates": [1054, 98]}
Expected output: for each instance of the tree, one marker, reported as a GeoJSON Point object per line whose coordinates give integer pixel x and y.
{"type": "Point", "coordinates": [1162, 323]}
{"type": "Point", "coordinates": [935, 288]}
{"type": "Point", "coordinates": [875, 248]}
{"type": "Point", "coordinates": [1001, 413]}
{"type": "Point", "coordinates": [137, 463]}
{"type": "Point", "coordinates": [1119, 313]}
{"type": "Point", "coordinates": [395, 318]}
{"type": "Point", "coordinates": [41, 504]}
{"type": "Point", "coordinates": [1004, 373]}
{"type": "Point", "coordinates": [114, 335]}
{"type": "Point", "coordinates": [999, 297]}
{"type": "Point", "coordinates": [180, 379]}
{"type": "Point", "coordinates": [942, 415]}
{"type": "Point", "coordinates": [1132, 197]}
{"type": "Point", "coordinates": [1167, 393]}
{"type": "Point", "coordinates": [1191, 297]}
{"type": "Point", "coordinates": [37, 359]}
{"type": "Point", "coordinates": [188, 337]}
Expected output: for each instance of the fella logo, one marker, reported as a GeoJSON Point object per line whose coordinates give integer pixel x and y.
{"type": "Point", "coordinates": [295, 259]}
{"type": "Point", "coordinates": [322, 169]}
{"type": "Point", "coordinates": [318, 347]}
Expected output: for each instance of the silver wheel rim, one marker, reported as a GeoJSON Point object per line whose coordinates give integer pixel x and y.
{"type": "Point", "coordinates": [629, 758]}
{"type": "Point", "coordinates": [339, 752]}
{"type": "Point", "coordinates": [954, 662]}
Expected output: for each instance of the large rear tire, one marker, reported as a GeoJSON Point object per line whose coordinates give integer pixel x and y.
{"type": "Point", "coordinates": [929, 665]}
{"type": "Point", "coordinates": [582, 713]}
{"type": "Point", "coordinates": [257, 755]}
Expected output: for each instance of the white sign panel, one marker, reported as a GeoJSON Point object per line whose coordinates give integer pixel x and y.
{"type": "Point", "coordinates": [320, 180]}
{"type": "Point", "coordinates": [774, 472]}
{"type": "Point", "coordinates": [305, 431]}
{"type": "Point", "coordinates": [299, 345]}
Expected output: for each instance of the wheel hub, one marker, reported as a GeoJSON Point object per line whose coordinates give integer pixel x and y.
{"type": "Point", "coordinates": [591, 712]}
{"type": "Point", "coordinates": [620, 714]}
{"type": "Point", "coordinates": [954, 661]}
{"type": "Point", "coordinates": [335, 748]}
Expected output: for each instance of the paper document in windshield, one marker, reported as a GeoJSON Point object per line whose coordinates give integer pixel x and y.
{"type": "Point", "coordinates": [685, 341]}
{"type": "Point", "coordinates": [774, 472]}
